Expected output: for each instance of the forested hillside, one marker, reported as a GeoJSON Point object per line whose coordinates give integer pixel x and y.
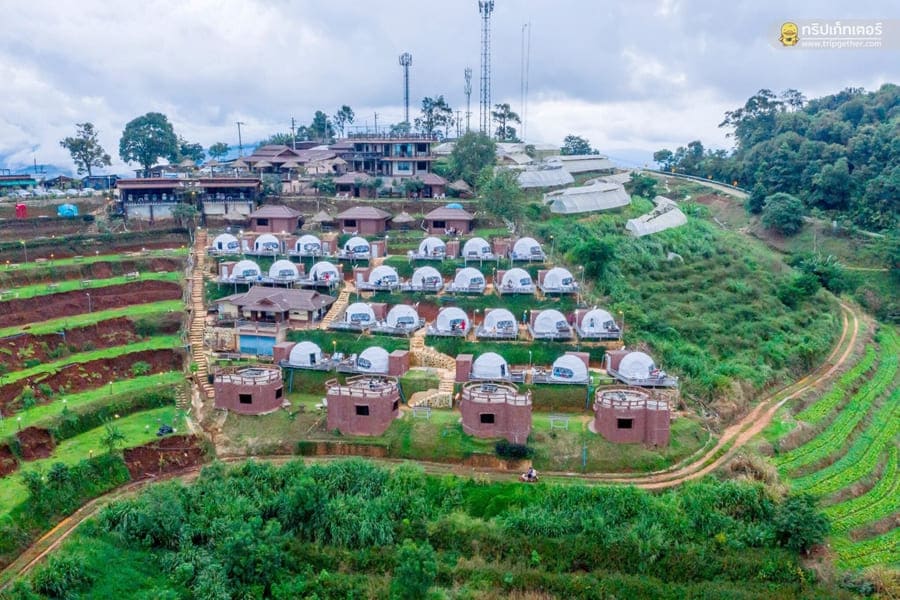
{"type": "Point", "coordinates": [839, 153]}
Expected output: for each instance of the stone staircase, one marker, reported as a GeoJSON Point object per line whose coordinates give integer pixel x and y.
{"type": "Point", "coordinates": [182, 401]}
{"type": "Point", "coordinates": [198, 315]}
{"type": "Point", "coordinates": [445, 365]}
{"type": "Point", "coordinates": [338, 307]}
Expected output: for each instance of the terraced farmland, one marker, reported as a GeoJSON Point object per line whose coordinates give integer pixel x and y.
{"type": "Point", "coordinates": [853, 463]}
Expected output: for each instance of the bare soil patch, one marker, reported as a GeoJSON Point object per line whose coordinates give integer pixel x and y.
{"type": "Point", "coordinates": [167, 455]}
{"type": "Point", "coordinates": [8, 462]}
{"type": "Point", "coordinates": [16, 312]}
{"type": "Point", "coordinates": [35, 443]}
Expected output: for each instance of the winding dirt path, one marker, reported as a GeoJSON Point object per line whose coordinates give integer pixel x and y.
{"type": "Point", "coordinates": [732, 440]}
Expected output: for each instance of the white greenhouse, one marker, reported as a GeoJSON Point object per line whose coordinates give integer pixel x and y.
{"type": "Point", "coordinates": [600, 195]}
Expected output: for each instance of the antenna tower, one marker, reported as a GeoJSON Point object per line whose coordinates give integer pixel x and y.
{"type": "Point", "coordinates": [485, 8]}
{"type": "Point", "coordinates": [526, 61]}
{"type": "Point", "coordinates": [405, 62]}
{"type": "Point", "coordinates": [468, 91]}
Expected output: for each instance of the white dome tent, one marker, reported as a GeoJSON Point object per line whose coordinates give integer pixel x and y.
{"type": "Point", "coordinates": [527, 248]}
{"type": "Point", "coordinates": [499, 318]}
{"type": "Point", "coordinates": [551, 322]}
{"type": "Point", "coordinates": [383, 276]}
{"type": "Point", "coordinates": [226, 243]}
{"type": "Point", "coordinates": [245, 269]}
{"type": "Point", "coordinates": [324, 271]}
{"type": "Point", "coordinates": [359, 313]}
{"type": "Point", "coordinates": [283, 270]}
{"type": "Point", "coordinates": [516, 280]}
{"type": "Point", "coordinates": [402, 316]}
{"type": "Point", "coordinates": [477, 248]}
{"type": "Point", "coordinates": [452, 319]}
{"type": "Point", "coordinates": [467, 279]}
{"type": "Point", "coordinates": [637, 365]}
{"type": "Point", "coordinates": [373, 360]}
{"type": "Point", "coordinates": [569, 369]}
{"type": "Point", "coordinates": [308, 245]}
{"type": "Point", "coordinates": [305, 354]}
{"type": "Point", "coordinates": [358, 247]}
{"type": "Point", "coordinates": [490, 365]}
{"type": "Point", "coordinates": [558, 279]}
{"type": "Point", "coordinates": [432, 247]}
{"type": "Point", "coordinates": [267, 243]}
{"type": "Point", "coordinates": [596, 322]}
{"type": "Point", "coordinates": [427, 278]}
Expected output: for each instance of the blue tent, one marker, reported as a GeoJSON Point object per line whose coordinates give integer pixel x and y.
{"type": "Point", "coordinates": [67, 210]}
{"type": "Point", "coordinates": [454, 205]}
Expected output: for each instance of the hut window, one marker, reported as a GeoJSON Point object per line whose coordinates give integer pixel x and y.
{"type": "Point", "coordinates": [439, 224]}
{"type": "Point", "coordinates": [487, 418]}
{"type": "Point", "coordinates": [349, 222]}
{"type": "Point", "coordinates": [396, 405]}
{"type": "Point", "coordinates": [362, 411]}
{"type": "Point", "coordinates": [262, 222]}
{"type": "Point", "coordinates": [279, 392]}
{"type": "Point", "coordinates": [625, 423]}
{"type": "Point", "coordinates": [245, 398]}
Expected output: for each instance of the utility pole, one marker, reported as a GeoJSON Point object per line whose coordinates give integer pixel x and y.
{"type": "Point", "coordinates": [293, 134]}
{"type": "Point", "coordinates": [457, 123]}
{"type": "Point", "coordinates": [376, 123]}
{"type": "Point", "coordinates": [240, 142]}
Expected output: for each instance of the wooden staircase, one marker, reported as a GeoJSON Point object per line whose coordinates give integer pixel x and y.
{"type": "Point", "coordinates": [339, 306]}
{"type": "Point", "coordinates": [182, 400]}
{"type": "Point", "coordinates": [198, 315]}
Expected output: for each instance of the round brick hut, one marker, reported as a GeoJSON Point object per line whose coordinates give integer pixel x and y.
{"type": "Point", "coordinates": [630, 416]}
{"type": "Point", "coordinates": [249, 390]}
{"type": "Point", "coordinates": [492, 410]}
{"type": "Point", "coordinates": [363, 405]}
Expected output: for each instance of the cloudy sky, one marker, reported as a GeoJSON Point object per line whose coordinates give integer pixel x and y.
{"type": "Point", "coordinates": [631, 76]}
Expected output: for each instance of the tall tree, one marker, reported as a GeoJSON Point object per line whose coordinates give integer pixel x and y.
{"type": "Point", "coordinates": [218, 150]}
{"type": "Point", "coordinates": [665, 158]}
{"type": "Point", "coordinates": [187, 150]}
{"type": "Point", "coordinates": [85, 149]}
{"type": "Point", "coordinates": [501, 193]}
{"type": "Point", "coordinates": [277, 139]}
{"type": "Point", "coordinates": [503, 115]}
{"type": "Point", "coordinates": [471, 154]}
{"type": "Point", "coordinates": [321, 128]}
{"type": "Point", "coordinates": [436, 114]}
{"type": "Point", "coordinates": [146, 139]}
{"type": "Point", "coordinates": [783, 213]}
{"type": "Point", "coordinates": [574, 144]}
{"type": "Point", "coordinates": [401, 128]}
{"type": "Point", "coordinates": [343, 117]}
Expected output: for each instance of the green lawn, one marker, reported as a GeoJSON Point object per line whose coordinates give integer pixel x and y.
{"type": "Point", "coordinates": [39, 415]}
{"type": "Point", "coordinates": [138, 428]}
{"type": "Point", "coordinates": [43, 289]}
{"type": "Point", "coordinates": [88, 259]}
{"type": "Point", "coordinates": [135, 310]}
{"type": "Point", "coordinates": [154, 343]}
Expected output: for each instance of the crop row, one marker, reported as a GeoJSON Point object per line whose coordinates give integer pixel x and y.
{"type": "Point", "coordinates": [880, 550]}
{"type": "Point", "coordinates": [835, 435]}
{"type": "Point", "coordinates": [825, 405]}
{"type": "Point", "coordinates": [879, 502]}
{"type": "Point", "coordinates": [862, 457]}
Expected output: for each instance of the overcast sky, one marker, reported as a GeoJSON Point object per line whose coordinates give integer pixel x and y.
{"type": "Point", "coordinates": [631, 76]}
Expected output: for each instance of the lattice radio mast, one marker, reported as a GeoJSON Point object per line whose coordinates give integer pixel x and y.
{"type": "Point", "coordinates": [485, 8]}
{"type": "Point", "coordinates": [468, 91]}
{"type": "Point", "coordinates": [405, 62]}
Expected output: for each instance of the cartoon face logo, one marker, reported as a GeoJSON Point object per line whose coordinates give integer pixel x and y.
{"type": "Point", "coordinates": [789, 34]}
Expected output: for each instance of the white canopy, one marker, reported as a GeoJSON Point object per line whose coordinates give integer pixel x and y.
{"type": "Point", "coordinates": [246, 269]}
{"type": "Point", "coordinates": [305, 354]}
{"type": "Point", "coordinates": [402, 315]}
{"type": "Point", "coordinates": [324, 271]}
{"type": "Point", "coordinates": [549, 321]}
{"type": "Point", "coordinates": [569, 368]}
{"type": "Point", "coordinates": [476, 247]}
{"type": "Point", "coordinates": [452, 318]}
{"type": "Point", "coordinates": [499, 318]}
{"type": "Point", "coordinates": [558, 277]}
{"type": "Point", "coordinates": [427, 277]}
{"type": "Point", "coordinates": [636, 365]}
{"type": "Point", "coordinates": [600, 195]}
{"type": "Point", "coordinates": [308, 244]}
{"type": "Point", "coordinates": [373, 360]}
{"type": "Point", "coordinates": [357, 245]}
{"type": "Point", "coordinates": [597, 320]}
{"type": "Point", "coordinates": [226, 242]}
{"type": "Point", "coordinates": [283, 269]}
{"type": "Point", "coordinates": [490, 365]}
{"type": "Point", "coordinates": [527, 246]}
{"type": "Point", "coordinates": [266, 243]}
{"type": "Point", "coordinates": [359, 312]}
{"type": "Point", "coordinates": [468, 277]}
{"type": "Point", "coordinates": [432, 246]}
{"type": "Point", "coordinates": [383, 275]}
{"type": "Point", "coordinates": [516, 279]}
{"type": "Point", "coordinates": [551, 176]}
{"type": "Point", "coordinates": [666, 215]}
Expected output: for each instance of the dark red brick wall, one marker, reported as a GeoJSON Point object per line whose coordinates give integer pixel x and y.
{"type": "Point", "coordinates": [463, 367]}
{"type": "Point", "coordinates": [649, 427]}
{"type": "Point", "coordinates": [264, 400]}
{"type": "Point", "coordinates": [342, 413]}
{"type": "Point", "coordinates": [398, 363]}
{"type": "Point", "coordinates": [512, 422]}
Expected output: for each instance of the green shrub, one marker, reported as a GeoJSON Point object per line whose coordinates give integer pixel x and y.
{"type": "Point", "coordinates": [505, 449]}
{"type": "Point", "coordinates": [61, 577]}
{"type": "Point", "coordinates": [146, 327]}
{"type": "Point", "coordinates": [140, 368]}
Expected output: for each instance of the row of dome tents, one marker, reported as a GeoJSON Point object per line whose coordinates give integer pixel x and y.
{"type": "Point", "coordinates": [282, 272]}
{"type": "Point", "coordinates": [548, 324]}
{"type": "Point", "coordinates": [308, 355]}
{"type": "Point", "coordinates": [401, 319]}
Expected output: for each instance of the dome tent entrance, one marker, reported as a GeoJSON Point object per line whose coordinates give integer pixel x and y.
{"type": "Point", "coordinates": [527, 248]}
{"type": "Point", "coordinates": [477, 248]}
{"type": "Point", "coordinates": [598, 323]}
{"type": "Point", "coordinates": [384, 276]}
{"type": "Point", "coordinates": [283, 270]}
{"type": "Point", "coordinates": [499, 323]}
{"type": "Point", "coordinates": [468, 279]}
{"type": "Point", "coordinates": [308, 245]}
{"type": "Point", "coordinates": [432, 247]}
{"type": "Point", "coordinates": [637, 365]}
{"type": "Point", "coordinates": [245, 269]}
{"type": "Point", "coordinates": [359, 313]}
{"type": "Point", "coordinates": [558, 280]}
{"type": "Point", "coordinates": [550, 324]}
{"type": "Point", "coordinates": [637, 368]}
{"type": "Point", "coordinates": [450, 321]}
{"type": "Point", "coordinates": [226, 243]}
{"type": "Point", "coordinates": [490, 365]}
{"type": "Point", "coordinates": [569, 369]}
{"type": "Point", "coordinates": [516, 281]}
{"type": "Point", "coordinates": [402, 316]}
{"type": "Point", "coordinates": [373, 360]}
{"type": "Point", "coordinates": [266, 244]}
{"type": "Point", "coordinates": [324, 271]}
{"type": "Point", "coordinates": [305, 354]}
{"type": "Point", "coordinates": [426, 279]}
{"type": "Point", "coordinates": [357, 247]}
